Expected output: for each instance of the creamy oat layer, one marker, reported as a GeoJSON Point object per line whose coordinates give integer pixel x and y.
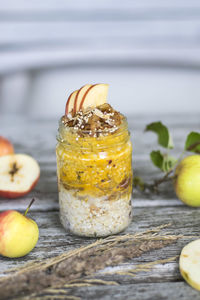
{"type": "Point", "coordinates": [95, 217]}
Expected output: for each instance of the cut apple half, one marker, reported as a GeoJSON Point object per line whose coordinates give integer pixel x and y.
{"type": "Point", "coordinates": [19, 173]}
{"type": "Point", "coordinates": [189, 264]}
{"type": "Point", "coordinates": [79, 96]}
{"type": "Point", "coordinates": [94, 96]}
{"type": "Point", "coordinates": [70, 102]}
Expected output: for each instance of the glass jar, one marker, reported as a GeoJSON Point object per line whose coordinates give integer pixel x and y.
{"type": "Point", "coordinates": [94, 180]}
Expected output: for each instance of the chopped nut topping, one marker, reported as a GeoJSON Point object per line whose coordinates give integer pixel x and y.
{"type": "Point", "coordinates": [100, 120]}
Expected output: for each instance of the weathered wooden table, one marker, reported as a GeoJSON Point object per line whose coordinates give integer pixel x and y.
{"type": "Point", "coordinates": [163, 281]}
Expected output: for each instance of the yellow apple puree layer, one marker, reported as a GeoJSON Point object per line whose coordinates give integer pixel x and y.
{"type": "Point", "coordinates": [95, 166]}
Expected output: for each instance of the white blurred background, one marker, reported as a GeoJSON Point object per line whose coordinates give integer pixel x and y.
{"type": "Point", "coordinates": [147, 50]}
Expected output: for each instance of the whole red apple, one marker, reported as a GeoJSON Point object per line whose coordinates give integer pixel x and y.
{"type": "Point", "coordinates": [5, 146]}
{"type": "Point", "coordinates": [18, 233]}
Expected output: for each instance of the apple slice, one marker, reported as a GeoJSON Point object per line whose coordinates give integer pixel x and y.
{"type": "Point", "coordinates": [79, 96]}
{"type": "Point", "coordinates": [70, 102]}
{"type": "Point", "coordinates": [95, 96]}
{"type": "Point", "coordinates": [19, 173]}
{"type": "Point", "coordinates": [189, 264]}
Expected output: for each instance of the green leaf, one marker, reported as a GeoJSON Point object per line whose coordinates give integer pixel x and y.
{"type": "Point", "coordinates": [157, 158]}
{"type": "Point", "coordinates": [164, 137]}
{"type": "Point", "coordinates": [193, 142]}
{"type": "Point", "coordinates": [163, 161]}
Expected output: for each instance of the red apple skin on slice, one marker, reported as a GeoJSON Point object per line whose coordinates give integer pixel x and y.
{"type": "Point", "coordinates": [79, 97]}
{"type": "Point", "coordinates": [70, 102]}
{"type": "Point", "coordinates": [19, 173]}
{"type": "Point", "coordinates": [95, 96]}
{"type": "Point", "coordinates": [13, 195]}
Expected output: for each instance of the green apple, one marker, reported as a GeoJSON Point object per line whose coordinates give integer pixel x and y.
{"type": "Point", "coordinates": [18, 233]}
{"type": "Point", "coordinates": [189, 264]}
{"type": "Point", "coordinates": [187, 180]}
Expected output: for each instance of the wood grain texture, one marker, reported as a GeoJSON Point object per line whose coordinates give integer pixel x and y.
{"type": "Point", "coordinates": [143, 291]}
{"type": "Point", "coordinates": [37, 137]}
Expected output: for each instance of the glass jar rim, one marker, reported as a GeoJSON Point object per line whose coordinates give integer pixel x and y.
{"type": "Point", "coordinates": [119, 137]}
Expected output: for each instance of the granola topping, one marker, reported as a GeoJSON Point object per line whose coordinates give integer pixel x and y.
{"type": "Point", "coordinates": [102, 120]}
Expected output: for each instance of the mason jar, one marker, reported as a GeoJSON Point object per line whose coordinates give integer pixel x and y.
{"type": "Point", "coordinates": [94, 180]}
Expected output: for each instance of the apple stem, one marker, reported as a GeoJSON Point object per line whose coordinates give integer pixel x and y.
{"type": "Point", "coordinates": [29, 207]}
{"type": "Point", "coordinates": [163, 179]}
{"type": "Point", "coordinates": [154, 186]}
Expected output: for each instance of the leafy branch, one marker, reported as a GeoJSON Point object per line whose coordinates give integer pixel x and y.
{"type": "Point", "coordinates": [163, 160]}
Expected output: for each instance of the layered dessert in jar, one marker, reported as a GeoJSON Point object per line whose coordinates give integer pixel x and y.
{"type": "Point", "coordinates": [94, 165]}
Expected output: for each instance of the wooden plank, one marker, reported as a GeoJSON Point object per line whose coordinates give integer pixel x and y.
{"type": "Point", "coordinates": [89, 57]}
{"type": "Point", "coordinates": [89, 5]}
{"type": "Point", "coordinates": [40, 36]}
{"type": "Point", "coordinates": [145, 291]}
{"type": "Point", "coordinates": [55, 240]}
{"type": "Point", "coordinates": [147, 33]}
